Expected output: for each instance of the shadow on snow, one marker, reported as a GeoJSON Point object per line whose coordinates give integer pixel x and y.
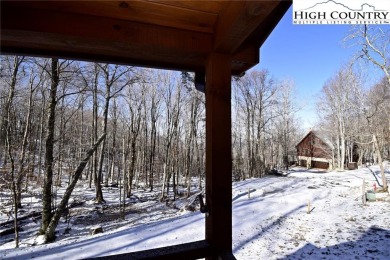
{"type": "Point", "coordinates": [373, 244]}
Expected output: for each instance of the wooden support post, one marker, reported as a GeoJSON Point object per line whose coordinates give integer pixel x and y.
{"type": "Point", "coordinates": [219, 153]}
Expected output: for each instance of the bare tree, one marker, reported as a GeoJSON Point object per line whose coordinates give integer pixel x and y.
{"type": "Point", "coordinates": [49, 145]}
{"type": "Point", "coordinates": [155, 101]}
{"type": "Point", "coordinates": [336, 104]}
{"type": "Point", "coordinates": [191, 136]}
{"type": "Point", "coordinates": [6, 134]}
{"type": "Point", "coordinates": [375, 48]}
{"type": "Point", "coordinates": [34, 82]}
{"type": "Point", "coordinates": [375, 45]}
{"type": "Point", "coordinates": [10, 73]}
{"type": "Point", "coordinates": [116, 78]}
{"type": "Point", "coordinates": [49, 232]}
{"type": "Point", "coordinates": [172, 98]}
{"type": "Point", "coordinates": [112, 151]}
{"type": "Point", "coordinates": [373, 107]}
{"type": "Point", "coordinates": [60, 72]}
{"type": "Point", "coordinates": [286, 111]}
{"type": "Point", "coordinates": [135, 102]}
{"type": "Point", "coordinates": [256, 100]}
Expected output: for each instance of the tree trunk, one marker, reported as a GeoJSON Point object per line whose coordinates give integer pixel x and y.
{"type": "Point", "coordinates": [93, 174]}
{"type": "Point", "coordinates": [152, 154]}
{"type": "Point", "coordinates": [132, 166]}
{"type": "Point", "coordinates": [8, 104]}
{"type": "Point", "coordinates": [189, 150]}
{"type": "Point", "coordinates": [41, 134]}
{"type": "Point", "coordinates": [162, 197]}
{"type": "Point", "coordinates": [98, 180]}
{"type": "Point", "coordinates": [21, 170]}
{"type": "Point", "coordinates": [50, 230]}
{"type": "Point", "coordinates": [49, 159]}
{"type": "Point", "coordinates": [8, 143]}
{"type": "Point", "coordinates": [378, 152]}
{"type": "Point", "coordinates": [14, 192]}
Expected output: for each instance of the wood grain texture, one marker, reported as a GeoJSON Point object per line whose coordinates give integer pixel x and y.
{"type": "Point", "coordinates": [162, 34]}
{"type": "Point", "coordinates": [237, 21]}
{"type": "Point", "coordinates": [219, 152]}
{"type": "Point", "coordinates": [154, 13]}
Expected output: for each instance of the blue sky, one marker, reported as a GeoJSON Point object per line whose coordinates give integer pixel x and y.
{"type": "Point", "coordinates": [308, 55]}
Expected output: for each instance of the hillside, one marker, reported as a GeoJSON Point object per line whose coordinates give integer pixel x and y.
{"type": "Point", "coordinates": [272, 224]}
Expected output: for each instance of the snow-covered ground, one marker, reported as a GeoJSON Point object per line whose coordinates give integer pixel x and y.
{"type": "Point", "coordinates": [272, 223]}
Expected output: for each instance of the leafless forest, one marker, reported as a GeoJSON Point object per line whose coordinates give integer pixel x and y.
{"type": "Point", "coordinates": [64, 122]}
{"type": "Point", "coordinates": [355, 113]}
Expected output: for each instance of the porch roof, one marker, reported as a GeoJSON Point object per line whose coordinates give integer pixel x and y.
{"type": "Point", "coordinates": [165, 34]}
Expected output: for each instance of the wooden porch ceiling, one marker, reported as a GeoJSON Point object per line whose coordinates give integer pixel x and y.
{"type": "Point", "coordinates": [177, 35]}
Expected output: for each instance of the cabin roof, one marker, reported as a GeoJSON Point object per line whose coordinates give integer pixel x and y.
{"type": "Point", "coordinates": [319, 135]}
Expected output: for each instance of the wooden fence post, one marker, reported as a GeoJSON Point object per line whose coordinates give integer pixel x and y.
{"type": "Point", "coordinates": [364, 192]}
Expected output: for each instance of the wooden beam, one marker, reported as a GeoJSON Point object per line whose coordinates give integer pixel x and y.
{"type": "Point", "coordinates": [247, 55]}
{"type": "Point", "coordinates": [203, 6]}
{"type": "Point", "coordinates": [120, 32]}
{"type": "Point", "coordinates": [147, 12]}
{"type": "Point", "coordinates": [237, 21]}
{"type": "Point", "coordinates": [104, 29]}
{"type": "Point", "coordinates": [218, 153]}
{"type": "Point", "coordinates": [261, 33]}
{"type": "Point", "coordinates": [76, 48]}
{"type": "Point", "coordinates": [192, 250]}
{"type": "Point", "coordinates": [245, 58]}
{"type": "Point", "coordinates": [85, 35]}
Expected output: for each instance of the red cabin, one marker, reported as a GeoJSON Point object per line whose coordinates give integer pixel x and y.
{"type": "Point", "coordinates": [314, 151]}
